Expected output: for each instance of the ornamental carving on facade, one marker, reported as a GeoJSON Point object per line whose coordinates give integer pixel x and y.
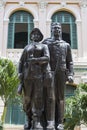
{"type": "Point", "coordinates": [2, 3]}
{"type": "Point", "coordinates": [42, 4]}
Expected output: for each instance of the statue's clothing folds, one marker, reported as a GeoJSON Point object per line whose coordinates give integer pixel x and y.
{"type": "Point", "coordinates": [32, 73]}
{"type": "Point", "coordinates": [62, 65]}
{"type": "Point", "coordinates": [37, 81]}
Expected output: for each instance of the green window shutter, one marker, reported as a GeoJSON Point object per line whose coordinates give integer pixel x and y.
{"type": "Point", "coordinates": [64, 17]}
{"type": "Point", "coordinates": [73, 36]}
{"type": "Point", "coordinates": [30, 27]}
{"type": "Point", "coordinates": [10, 35]}
{"type": "Point", "coordinates": [19, 17]}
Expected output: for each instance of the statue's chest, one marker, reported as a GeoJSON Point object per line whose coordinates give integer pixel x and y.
{"type": "Point", "coordinates": [38, 51]}
{"type": "Point", "coordinates": [58, 50]}
{"type": "Point", "coordinates": [35, 50]}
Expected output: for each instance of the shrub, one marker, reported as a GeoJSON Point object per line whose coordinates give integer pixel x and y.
{"type": "Point", "coordinates": [76, 108]}
{"type": "Point", "coordinates": [8, 82]}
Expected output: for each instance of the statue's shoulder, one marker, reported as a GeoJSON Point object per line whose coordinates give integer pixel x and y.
{"type": "Point", "coordinates": [48, 41]}
{"type": "Point", "coordinates": [27, 47]}
{"type": "Point", "coordinates": [65, 43]}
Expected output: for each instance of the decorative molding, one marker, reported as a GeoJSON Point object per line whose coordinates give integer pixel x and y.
{"type": "Point", "coordinates": [83, 3]}
{"type": "Point", "coordinates": [36, 23]}
{"type": "Point", "coordinates": [14, 8]}
{"type": "Point", "coordinates": [49, 20]}
{"type": "Point", "coordinates": [21, 3]}
{"type": "Point", "coordinates": [2, 3]}
{"type": "Point", "coordinates": [6, 20]}
{"type": "Point", "coordinates": [63, 4]}
{"type": "Point", "coordinates": [78, 22]}
{"type": "Point", "coordinates": [42, 4]}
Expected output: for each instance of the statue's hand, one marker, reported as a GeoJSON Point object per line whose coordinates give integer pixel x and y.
{"type": "Point", "coordinates": [20, 76]}
{"type": "Point", "coordinates": [19, 89]}
{"type": "Point", "coordinates": [70, 79]}
{"type": "Point", "coordinates": [48, 75]}
{"type": "Point", "coordinates": [33, 60]}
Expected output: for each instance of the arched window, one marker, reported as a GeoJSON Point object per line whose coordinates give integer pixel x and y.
{"type": "Point", "coordinates": [69, 32]}
{"type": "Point", "coordinates": [20, 26]}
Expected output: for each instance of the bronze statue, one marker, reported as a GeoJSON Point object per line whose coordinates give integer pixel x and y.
{"type": "Point", "coordinates": [62, 66]}
{"type": "Point", "coordinates": [34, 70]}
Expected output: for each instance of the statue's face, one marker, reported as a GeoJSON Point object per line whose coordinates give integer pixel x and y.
{"type": "Point", "coordinates": [36, 36]}
{"type": "Point", "coordinates": [57, 30]}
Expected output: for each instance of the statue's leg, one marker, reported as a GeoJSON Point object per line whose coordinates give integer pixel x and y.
{"type": "Point", "coordinates": [27, 105]}
{"type": "Point", "coordinates": [28, 124]}
{"type": "Point", "coordinates": [43, 118]}
{"type": "Point", "coordinates": [28, 112]}
{"type": "Point", "coordinates": [57, 114]}
{"type": "Point", "coordinates": [59, 95]}
{"type": "Point", "coordinates": [38, 102]}
{"type": "Point", "coordinates": [60, 115]}
{"type": "Point", "coordinates": [50, 101]}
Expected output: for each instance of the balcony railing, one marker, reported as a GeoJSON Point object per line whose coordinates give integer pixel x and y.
{"type": "Point", "coordinates": [14, 54]}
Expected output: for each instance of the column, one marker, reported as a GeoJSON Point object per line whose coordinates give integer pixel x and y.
{"type": "Point", "coordinates": [1, 26]}
{"type": "Point", "coordinates": [36, 23]}
{"type": "Point", "coordinates": [42, 17]}
{"type": "Point", "coordinates": [48, 28]}
{"type": "Point", "coordinates": [5, 37]}
{"type": "Point", "coordinates": [79, 38]}
{"type": "Point", "coordinates": [84, 28]}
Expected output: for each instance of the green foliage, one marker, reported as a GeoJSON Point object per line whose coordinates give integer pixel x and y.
{"type": "Point", "coordinates": [1, 125]}
{"type": "Point", "coordinates": [8, 80]}
{"type": "Point", "coordinates": [76, 108]}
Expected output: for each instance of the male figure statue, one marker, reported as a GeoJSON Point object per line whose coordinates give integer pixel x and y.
{"type": "Point", "coordinates": [33, 65]}
{"type": "Point", "coordinates": [62, 65]}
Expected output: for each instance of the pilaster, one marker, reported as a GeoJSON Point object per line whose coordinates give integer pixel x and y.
{"type": "Point", "coordinates": [48, 28]}
{"type": "Point", "coordinates": [79, 38]}
{"type": "Point", "coordinates": [36, 23]}
{"type": "Point", "coordinates": [83, 6]}
{"type": "Point", "coordinates": [5, 37]}
{"type": "Point", "coordinates": [42, 16]}
{"type": "Point", "coordinates": [2, 4]}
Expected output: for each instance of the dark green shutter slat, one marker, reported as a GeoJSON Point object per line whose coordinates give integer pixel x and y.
{"type": "Point", "coordinates": [11, 35]}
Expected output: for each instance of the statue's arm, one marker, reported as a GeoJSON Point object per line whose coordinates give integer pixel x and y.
{"type": "Point", "coordinates": [69, 63]}
{"type": "Point", "coordinates": [20, 72]}
{"type": "Point", "coordinates": [46, 56]}
{"type": "Point", "coordinates": [21, 64]}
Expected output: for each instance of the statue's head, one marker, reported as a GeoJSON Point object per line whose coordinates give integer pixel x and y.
{"type": "Point", "coordinates": [36, 35]}
{"type": "Point", "coordinates": [56, 30]}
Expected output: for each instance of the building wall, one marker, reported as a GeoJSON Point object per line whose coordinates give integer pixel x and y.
{"type": "Point", "coordinates": [42, 12]}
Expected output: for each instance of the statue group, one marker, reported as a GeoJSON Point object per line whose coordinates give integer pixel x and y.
{"type": "Point", "coordinates": [44, 68]}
